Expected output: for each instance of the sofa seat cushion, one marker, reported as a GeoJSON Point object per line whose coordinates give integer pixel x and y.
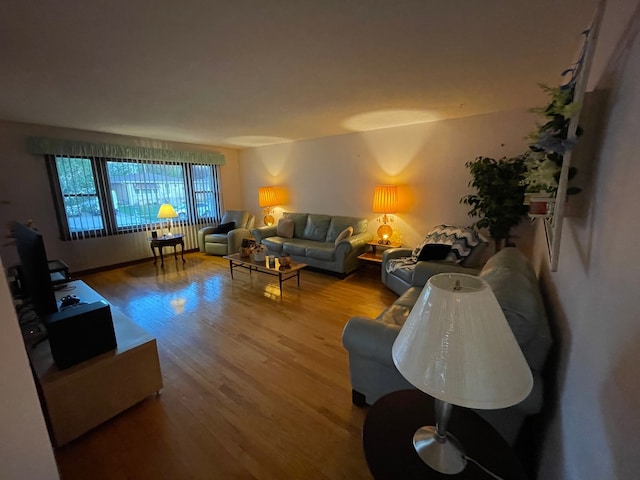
{"type": "Point", "coordinates": [216, 238]}
{"type": "Point", "coordinates": [296, 246]}
{"type": "Point", "coordinates": [274, 244]}
{"type": "Point", "coordinates": [397, 313]}
{"type": "Point", "coordinates": [309, 248]}
{"type": "Point", "coordinates": [406, 273]}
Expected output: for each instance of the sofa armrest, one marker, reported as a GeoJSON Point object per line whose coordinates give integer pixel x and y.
{"type": "Point", "coordinates": [201, 234]}
{"type": "Point", "coordinates": [234, 239]}
{"type": "Point", "coordinates": [259, 233]}
{"type": "Point", "coordinates": [391, 253]}
{"type": "Point", "coordinates": [427, 269]}
{"type": "Point", "coordinates": [371, 339]}
{"type": "Point", "coordinates": [354, 242]}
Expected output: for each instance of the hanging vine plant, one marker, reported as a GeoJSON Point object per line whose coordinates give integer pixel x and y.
{"type": "Point", "coordinates": [549, 143]}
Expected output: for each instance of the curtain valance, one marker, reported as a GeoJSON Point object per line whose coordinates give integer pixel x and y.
{"type": "Point", "coordinates": [53, 146]}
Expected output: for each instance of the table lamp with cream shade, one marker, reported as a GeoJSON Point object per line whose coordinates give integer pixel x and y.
{"type": "Point", "coordinates": [267, 199]}
{"type": "Point", "coordinates": [457, 347]}
{"type": "Point", "coordinates": [167, 212]}
{"type": "Point", "coordinates": [385, 201]}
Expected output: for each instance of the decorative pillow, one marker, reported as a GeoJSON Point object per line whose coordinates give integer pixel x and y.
{"type": "Point", "coordinates": [346, 233]}
{"type": "Point", "coordinates": [225, 227]}
{"type": "Point", "coordinates": [285, 228]}
{"type": "Point", "coordinates": [434, 251]}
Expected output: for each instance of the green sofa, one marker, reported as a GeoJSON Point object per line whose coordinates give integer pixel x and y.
{"type": "Point", "coordinates": [314, 241]}
{"type": "Point", "coordinates": [514, 283]}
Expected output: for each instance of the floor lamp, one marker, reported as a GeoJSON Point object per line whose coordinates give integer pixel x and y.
{"type": "Point", "coordinates": [457, 347]}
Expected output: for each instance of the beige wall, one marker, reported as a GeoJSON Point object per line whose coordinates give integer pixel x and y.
{"type": "Point", "coordinates": [594, 428]}
{"type": "Point", "coordinates": [25, 194]}
{"type": "Point", "coordinates": [336, 175]}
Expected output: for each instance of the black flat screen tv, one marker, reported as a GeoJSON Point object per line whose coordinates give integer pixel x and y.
{"type": "Point", "coordinates": [34, 270]}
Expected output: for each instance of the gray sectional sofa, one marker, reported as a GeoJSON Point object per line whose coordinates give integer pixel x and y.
{"type": "Point", "coordinates": [313, 241]}
{"type": "Point", "coordinates": [514, 283]}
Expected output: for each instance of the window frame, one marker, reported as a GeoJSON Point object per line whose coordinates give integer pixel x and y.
{"type": "Point", "coordinates": [102, 183]}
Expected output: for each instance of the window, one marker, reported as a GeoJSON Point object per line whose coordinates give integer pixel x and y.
{"type": "Point", "coordinates": [101, 196]}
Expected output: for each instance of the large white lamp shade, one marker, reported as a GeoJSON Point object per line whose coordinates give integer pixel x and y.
{"type": "Point", "coordinates": [457, 346]}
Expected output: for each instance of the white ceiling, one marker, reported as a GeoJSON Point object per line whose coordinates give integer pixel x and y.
{"type": "Point", "coordinates": [241, 73]}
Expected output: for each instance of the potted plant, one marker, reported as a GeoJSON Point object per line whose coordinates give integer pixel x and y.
{"type": "Point", "coordinates": [499, 200]}
{"type": "Point", "coordinates": [247, 247]}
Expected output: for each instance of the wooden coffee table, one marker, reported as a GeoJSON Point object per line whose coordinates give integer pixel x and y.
{"type": "Point", "coordinates": [283, 273]}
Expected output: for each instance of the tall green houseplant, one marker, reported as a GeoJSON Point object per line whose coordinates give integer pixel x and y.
{"type": "Point", "coordinates": [498, 202]}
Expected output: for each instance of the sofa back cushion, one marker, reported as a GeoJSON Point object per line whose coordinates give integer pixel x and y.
{"type": "Point", "coordinates": [316, 227]}
{"type": "Point", "coordinates": [338, 224]}
{"type": "Point", "coordinates": [239, 217]}
{"type": "Point", "coordinates": [299, 221]}
{"type": "Point", "coordinates": [285, 228]}
{"type": "Point", "coordinates": [515, 285]}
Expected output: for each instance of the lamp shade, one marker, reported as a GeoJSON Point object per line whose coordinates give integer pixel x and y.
{"type": "Point", "coordinates": [457, 346]}
{"type": "Point", "coordinates": [267, 197]}
{"type": "Point", "coordinates": [385, 199]}
{"type": "Point", "coordinates": [167, 211]}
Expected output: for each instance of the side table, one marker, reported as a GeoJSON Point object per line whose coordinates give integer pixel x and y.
{"type": "Point", "coordinates": [388, 441]}
{"type": "Point", "coordinates": [161, 242]}
{"type": "Point", "coordinates": [374, 253]}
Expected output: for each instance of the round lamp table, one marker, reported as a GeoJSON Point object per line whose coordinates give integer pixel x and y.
{"type": "Point", "coordinates": [388, 441]}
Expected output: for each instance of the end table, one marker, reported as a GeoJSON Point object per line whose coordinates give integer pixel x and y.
{"type": "Point", "coordinates": [374, 255]}
{"type": "Point", "coordinates": [166, 241]}
{"type": "Point", "coordinates": [388, 440]}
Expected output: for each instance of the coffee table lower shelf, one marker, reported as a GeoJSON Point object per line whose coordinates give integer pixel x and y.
{"type": "Point", "coordinates": [283, 274]}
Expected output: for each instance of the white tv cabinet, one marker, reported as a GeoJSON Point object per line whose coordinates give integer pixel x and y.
{"type": "Point", "coordinates": [81, 397]}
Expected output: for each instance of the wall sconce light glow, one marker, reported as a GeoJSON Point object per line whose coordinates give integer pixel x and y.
{"type": "Point", "coordinates": [364, 122]}
{"type": "Point", "coordinates": [255, 141]}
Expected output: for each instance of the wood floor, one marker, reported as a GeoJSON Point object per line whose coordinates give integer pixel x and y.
{"type": "Point", "coordinates": [255, 387]}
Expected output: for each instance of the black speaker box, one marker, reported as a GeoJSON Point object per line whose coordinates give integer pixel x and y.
{"type": "Point", "coordinates": [80, 332]}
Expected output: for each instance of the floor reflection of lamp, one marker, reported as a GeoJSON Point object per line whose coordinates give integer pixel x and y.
{"type": "Point", "coordinates": [267, 199]}
{"type": "Point", "coordinates": [167, 212]}
{"type": "Point", "coordinates": [385, 200]}
{"type": "Point", "coordinates": [457, 346]}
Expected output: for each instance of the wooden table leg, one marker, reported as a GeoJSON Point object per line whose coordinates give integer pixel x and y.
{"type": "Point", "coordinates": [182, 251]}
{"type": "Point", "coordinates": [231, 268]}
{"type": "Point", "coordinates": [161, 257]}
{"type": "Point", "coordinates": [155, 259]}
